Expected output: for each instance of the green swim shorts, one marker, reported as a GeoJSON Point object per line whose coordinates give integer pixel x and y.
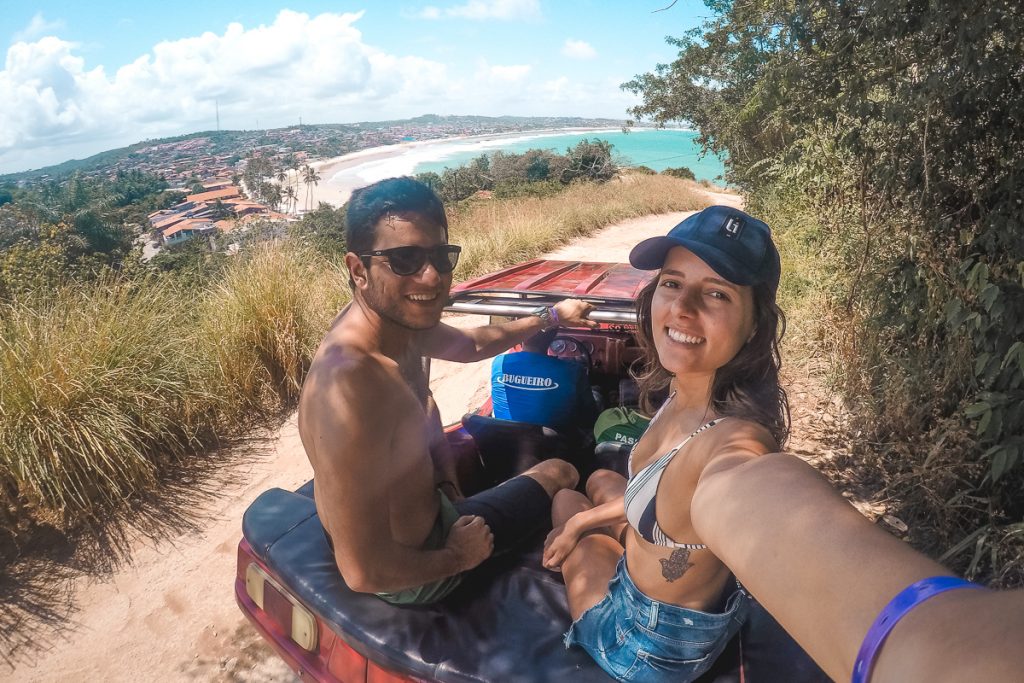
{"type": "Point", "coordinates": [431, 592]}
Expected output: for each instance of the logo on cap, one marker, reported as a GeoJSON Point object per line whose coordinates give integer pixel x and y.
{"type": "Point", "coordinates": [733, 227]}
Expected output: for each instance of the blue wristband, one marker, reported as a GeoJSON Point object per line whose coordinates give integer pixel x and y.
{"type": "Point", "coordinates": [907, 599]}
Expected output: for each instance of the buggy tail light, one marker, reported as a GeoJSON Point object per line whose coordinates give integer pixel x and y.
{"type": "Point", "coordinates": [294, 620]}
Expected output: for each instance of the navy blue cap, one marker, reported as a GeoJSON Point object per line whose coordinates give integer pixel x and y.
{"type": "Point", "coordinates": [736, 245]}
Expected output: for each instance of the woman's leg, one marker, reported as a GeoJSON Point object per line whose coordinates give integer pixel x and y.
{"type": "Point", "coordinates": [587, 571]}
{"type": "Point", "coordinates": [604, 486]}
{"type": "Point", "coordinates": [591, 565]}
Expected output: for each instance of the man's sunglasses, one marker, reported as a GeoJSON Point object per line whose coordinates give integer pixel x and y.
{"type": "Point", "coordinates": [410, 260]}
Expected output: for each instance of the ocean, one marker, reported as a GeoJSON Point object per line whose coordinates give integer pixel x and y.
{"type": "Point", "coordinates": [657, 149]}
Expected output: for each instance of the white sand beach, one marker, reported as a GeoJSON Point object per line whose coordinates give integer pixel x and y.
{"type": "Point", "coordinates": [341, 175]}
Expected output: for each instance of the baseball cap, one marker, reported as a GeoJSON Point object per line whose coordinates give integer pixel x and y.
{"type": "Point", "coordinates": [736, 245]}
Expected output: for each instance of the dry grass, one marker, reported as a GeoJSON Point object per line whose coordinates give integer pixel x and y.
{"type": "Point", "coordinates": [96, 385]}
{"type": "Point", "coordinates": [495, 234]}
{"type": "Point", "coordinates": [263, 322]}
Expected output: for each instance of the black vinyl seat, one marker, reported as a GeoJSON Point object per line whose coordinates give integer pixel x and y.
{"type": "Point", "coordinates": [504, 624]}
{"type": "Point", "coordinates": [614, 456]}
{"type": "Point", "coordinates": [507, 447]}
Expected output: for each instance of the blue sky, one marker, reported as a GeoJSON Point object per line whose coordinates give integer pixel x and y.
{"type": "Point", "coordinates": [82, 77]}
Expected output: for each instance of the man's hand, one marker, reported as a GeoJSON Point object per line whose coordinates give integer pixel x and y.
{"type": "Point", "coordinates": [471, 540]}
{"type": "Point", "coordinates": [559, 543]}
{"type": "Point", "coordinates": [573, 313]}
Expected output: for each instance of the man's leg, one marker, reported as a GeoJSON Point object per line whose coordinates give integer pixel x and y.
{"type": "Point", "coordinates": [554, 475]}
{"type": "Point", "coordinates": [517, 509]}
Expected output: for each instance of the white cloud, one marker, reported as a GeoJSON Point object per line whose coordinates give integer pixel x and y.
{"type": "Point", "coordinates": [578, 49]}
{"type": "Point", "coordinates": [317, 66]}
{"type": "Point", "coordinates": [430, 13]}
{"type": "Point", "coordinates": [509, 73]}
{"type": "Point", "coordinates": [504, 10]}
{"type": "Point", "coordinates": [37, 28]}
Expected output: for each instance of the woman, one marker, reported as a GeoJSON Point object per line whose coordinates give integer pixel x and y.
{"type": "Point", "coordinates": [648, 599]}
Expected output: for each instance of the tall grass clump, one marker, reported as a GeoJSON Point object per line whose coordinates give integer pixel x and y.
{"type": "Point", "coordinates": [496, 234]}
{"type": "Point", "coordinates": [262, 323]}
{"type": "Point", "coordinates": [98, 385]}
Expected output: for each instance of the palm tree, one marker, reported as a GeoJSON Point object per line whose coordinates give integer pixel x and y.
{"type": "Point", "coordinates": [310, 177]}
{"type": "Point", "coordinates": [291, 197]}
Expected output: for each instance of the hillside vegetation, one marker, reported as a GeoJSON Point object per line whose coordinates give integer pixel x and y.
{"type": "Point", "coordinates": [883, 141]}
{"type": "Point", "coordinates": [105, 381]}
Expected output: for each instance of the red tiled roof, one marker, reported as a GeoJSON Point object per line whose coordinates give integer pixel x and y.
{"type": "Point", "coordinates": [213, 195]}
{"type": "Point", "coordinates": [190, 224]}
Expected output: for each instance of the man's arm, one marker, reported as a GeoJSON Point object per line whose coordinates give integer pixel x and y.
{"type": "Point", "coordinates": [351, 425]}
{"type": "Point", "coordinates": [467, 346]}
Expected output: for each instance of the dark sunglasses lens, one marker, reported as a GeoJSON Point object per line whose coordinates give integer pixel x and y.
{"type": "Point", "coordinates": [445, 258]}
{"type": "Point", "coordinates": [406, 260]}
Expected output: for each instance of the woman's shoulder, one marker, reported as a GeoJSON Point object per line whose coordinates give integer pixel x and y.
{"type": "Point", "coordinates": [736, 436]}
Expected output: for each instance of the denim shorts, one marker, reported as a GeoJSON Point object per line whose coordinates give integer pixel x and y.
{"type": "Point", "coordinates": [635, 638]}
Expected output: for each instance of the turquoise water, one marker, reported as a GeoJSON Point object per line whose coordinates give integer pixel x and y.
{"type": "Point", "coordinates": [658, 149]}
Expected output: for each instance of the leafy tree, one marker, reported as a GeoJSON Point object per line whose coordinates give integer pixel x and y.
{"type": "Point", "coordinates": [464, 181]}
{"type": "Point", "coordinates": [323, 229]}
{"type": "Point", "coordinates": [590, 161]}
{"type": "Point", "coordinates": [219, 210]}
{"type": "Point", "coordinates": [195, 261]}
{"type": "Point", "coordinates": [430, 179]}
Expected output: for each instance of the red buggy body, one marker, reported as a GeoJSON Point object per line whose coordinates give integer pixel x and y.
{"type": "Point", "coordinates": [505, 621]}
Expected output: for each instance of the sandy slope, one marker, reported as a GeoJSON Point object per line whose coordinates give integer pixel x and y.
{"type": "Point", "coordinates": [163, 609]}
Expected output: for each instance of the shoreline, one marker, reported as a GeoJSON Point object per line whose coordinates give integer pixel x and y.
{"type": "Point", "coordinates": [339, 179]}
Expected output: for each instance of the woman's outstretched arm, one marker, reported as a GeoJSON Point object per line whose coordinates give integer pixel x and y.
{"type": "Point", "coordinates": [825, 572]}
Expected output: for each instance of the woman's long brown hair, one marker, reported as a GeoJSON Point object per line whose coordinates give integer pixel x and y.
{"type": "Point", "coordinates": [746, 387]}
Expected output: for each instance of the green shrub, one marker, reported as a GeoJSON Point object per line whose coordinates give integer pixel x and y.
{"type": "Point", "coordinates": [681, 172]}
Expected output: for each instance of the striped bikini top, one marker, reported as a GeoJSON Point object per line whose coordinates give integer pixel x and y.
{"type": "Point", "coordinates": [641, 495]}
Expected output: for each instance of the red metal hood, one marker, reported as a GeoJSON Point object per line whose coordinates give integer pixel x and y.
{"type": "Point", "coordinates": [611, 282]}
{"type": "Point", "coordinates": [520, 289]}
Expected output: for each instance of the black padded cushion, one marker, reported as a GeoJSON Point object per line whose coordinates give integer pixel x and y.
{"type": "Point", "coordinates": [503, 624]}
{"type": "Point", "coordinates": [508, 448]}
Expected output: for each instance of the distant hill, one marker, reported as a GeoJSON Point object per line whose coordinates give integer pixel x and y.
{"type": "Point", "coordinates": [319, 140]}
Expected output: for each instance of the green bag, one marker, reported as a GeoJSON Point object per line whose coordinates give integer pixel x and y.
{"type": "Point", "coordinates": [622, 425]}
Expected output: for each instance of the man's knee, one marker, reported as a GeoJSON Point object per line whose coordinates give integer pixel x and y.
{"type": "Point", "coordinates": [554, 475]}
{"type": "Point", "coordinates": [604, 484]}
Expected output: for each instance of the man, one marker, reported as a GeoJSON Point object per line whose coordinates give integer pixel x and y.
{"type": "Point", "coordinates": [370, 428]}
{"type": "Point", "coordinates": [531, 386]}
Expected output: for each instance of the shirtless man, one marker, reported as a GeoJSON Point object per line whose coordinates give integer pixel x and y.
{"type": "Point", "coordinates": [369, 425]}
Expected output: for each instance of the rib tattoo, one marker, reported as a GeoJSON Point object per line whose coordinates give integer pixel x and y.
{"type": "Point", "coordinates": [676, 564]}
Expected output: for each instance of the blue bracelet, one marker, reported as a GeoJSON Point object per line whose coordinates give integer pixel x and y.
{"type": "Point", "coordinates": [907, 599]}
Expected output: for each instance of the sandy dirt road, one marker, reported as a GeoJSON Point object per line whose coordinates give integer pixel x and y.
{"type": "Point", "coordinates": [155, 602]}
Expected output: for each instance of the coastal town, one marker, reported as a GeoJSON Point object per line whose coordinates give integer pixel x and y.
{"type": "Point", "coordinates": [207, 155]}
{"type": "Point", "coordinates": [232, 178]}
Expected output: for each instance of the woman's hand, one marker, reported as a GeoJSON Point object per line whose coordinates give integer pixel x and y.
{"type": "Point", "coordinates": [559, 543]}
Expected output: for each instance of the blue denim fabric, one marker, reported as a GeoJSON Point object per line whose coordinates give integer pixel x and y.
{"type": "Point", "coordinates": [636, 639]}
